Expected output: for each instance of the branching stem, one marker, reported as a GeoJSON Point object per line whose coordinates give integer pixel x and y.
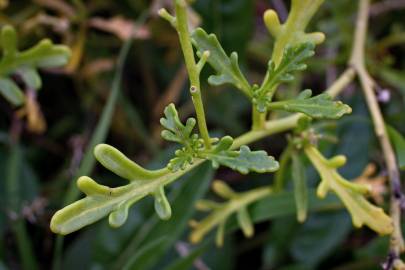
{"type": "Point", "coordinates": [192, 68]}
{"type": "Point", "coordinates": [357, 62]}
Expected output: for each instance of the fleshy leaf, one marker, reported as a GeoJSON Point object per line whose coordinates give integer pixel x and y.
{"type": "Point", "coordinates": [236, 203]}
{"type": "Point", "coordinates": [118, 217]}
{"type": "Point", "coordinates": [181, 161]}
{"type": "Point", "coordinates": [245, 223]}
{"type": "Point", "coordinates": [292, 61]}
{"type": "Point", "coordinates": [243, 161]}
{"type": "Point", "coordinates": [30, 77]}
{"type": "Point", "coordinates": [227, 68]}
{"type": "Point", "coordinates": [115, 161]}
{"type": "Point", "coordinates": [10, 91]}
{"type": "Point", "coordinates": [292, 32]}
{"type": "Point", "coordinates": [25, 63]}
{"type": "Point", "coordinates": [175, 130]}
{"type": "Point", "coordinates": [351, 194]}
{"type": "Point", "coordinates": [319, 107]}
{"type": "Point", "coordinates": [162, 205]}
{"type": "Point", "coordinates": [101, 200]}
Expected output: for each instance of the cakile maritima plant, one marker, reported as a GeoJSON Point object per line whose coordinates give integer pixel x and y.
{"type": "Point", "coordinates": [292, 48]}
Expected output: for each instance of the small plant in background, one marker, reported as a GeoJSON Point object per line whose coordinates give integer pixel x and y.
{"type": "Point", "coordinates": [25, 64]}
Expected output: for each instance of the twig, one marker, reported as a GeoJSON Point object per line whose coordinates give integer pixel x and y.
{"type": "Point", "coordinates": [192, 68]}
{"type": "Point", "coordinates": [357, 61]}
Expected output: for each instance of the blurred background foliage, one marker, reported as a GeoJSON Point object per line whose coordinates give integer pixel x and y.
{"type": "Point", "coordinates": [39, 167]}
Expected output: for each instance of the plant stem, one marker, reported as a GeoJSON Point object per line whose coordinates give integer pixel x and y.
{"type": "Point", "coordinates": [232, 206]}
{"type": "Point", "coordinates": [193, 72]}
{"type": "Point", "coordinates": [289, 122]}
{"type": "Point", "coordinates": [258, 119]}
{"type": "Point", "coordinates": [344, 79]}
{"type": "Point", "coordinates": [357, 61]}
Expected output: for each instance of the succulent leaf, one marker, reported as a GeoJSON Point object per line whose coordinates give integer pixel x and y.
{"type": "Point", "coordinates": [26, 63]}
{"type": "Point", "coordinates": [351, 194]}
{"type": "Point", "coordinates": [227, 67]}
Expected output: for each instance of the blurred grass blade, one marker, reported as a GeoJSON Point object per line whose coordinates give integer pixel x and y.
{"type": "Point", "coordinates": [399, 144]}
{"type": "Point", "coordinates": [98, 137]}
{"type": "Point", "coordinates": [300, 187]}
{"type": "Point", "coordinates": [24, 244]}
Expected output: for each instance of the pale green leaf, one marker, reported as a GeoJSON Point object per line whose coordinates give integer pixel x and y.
{"type": "Point", "coordinates": [319, 107]}
{"type": "Point", "coordinates": [10, 91]}
{"type": "Point", "coordinates": [162, 205]}
{"type": "Point", "coordinates": [101, 200]}
{"type": "Point", "coordinates": [351, 194]}
{"type": "Point", "coordinates": [244, 160]}
{"type": "Point", "coordinates": [30, 77]}
{"type": "Point", "coordinates": [245, 222]}
{"type": "Point", "coordinates": [227, 68]}
{"type": "Point", "coordinates": [292, 31]}
{"type": "Point", "coordinates": [292, 61]}
{"type": "Point", "coordinates": [25, 63]}
{"type": "Point", "coordinates": [175, 131]}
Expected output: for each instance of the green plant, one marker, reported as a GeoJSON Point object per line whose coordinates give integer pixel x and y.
{"type": "Point", "coordinates": [292, 47]}
{"type": "Point", "coordinates": [26, 63]}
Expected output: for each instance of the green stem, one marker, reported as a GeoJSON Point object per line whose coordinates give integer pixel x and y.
{"type": "Point", "coordinates": [293, 29]}
{"type": "Point", "coordinates": [270, 127]}
{"type": "Point", "coordinates": [258, 119]}
{"type": "Point", "coordinates": [222, 214]}
{"type": "Point", "coordinates": [193, 71]}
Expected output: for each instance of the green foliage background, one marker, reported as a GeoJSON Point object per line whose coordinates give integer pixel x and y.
{"type": "Point", "coordinates": [72, 103]}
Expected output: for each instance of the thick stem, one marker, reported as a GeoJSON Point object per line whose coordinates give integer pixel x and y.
{"type": "Point", "coordinates": [357, 61]}
{"type": "Point", "coordinates": [193, 72]}
{"type": "Point", "coordinates": [258, 119]}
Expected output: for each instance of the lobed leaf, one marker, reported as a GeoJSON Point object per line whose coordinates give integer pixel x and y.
{"type": "Point", "coordinates": [292, 61]}
{"type": "Point", "coordinates": [101, 200]}
{"type": "Point", "coordinates": [319, 107]}
{"type": "Point", "coordinates": [11, 92]}
{"type": "Point", "coordinates": [236, 204]}
{"type": "Point", "coordinates": [181, 161]}
{"type": "Point", "coordinates": [227, 67]}
{"type": "Point", "coordinates": [292, 32]}
{"type": "Point", "coordinates": [175, 130]}
{"type": "Point", "coordinates": [351, 194]}
{"type": "Point", "coordinates": [25, 63]}
{"type": "Point", "coordinates": [243, 161]}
